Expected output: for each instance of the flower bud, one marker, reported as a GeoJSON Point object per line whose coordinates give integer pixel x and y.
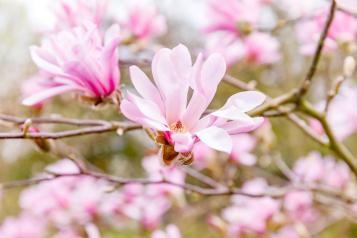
{"type": "Point", "coordinates": [349, 66]}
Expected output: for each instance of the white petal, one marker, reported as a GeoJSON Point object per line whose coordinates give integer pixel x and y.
{"type": "Point", "coordinates": [216, 138]}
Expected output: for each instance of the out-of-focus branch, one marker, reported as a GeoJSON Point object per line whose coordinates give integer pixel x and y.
{"type": "Point", "coordinates": [318, 51]}
{"type": "Point", "coordinates": [334, 144]}
{"type": "Point", "coordinates": [90, 127]}
{"type": "Point", "coordinates": [274, 192]}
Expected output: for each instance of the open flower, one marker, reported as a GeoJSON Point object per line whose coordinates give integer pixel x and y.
{"type": "Point", "coordinates": [177, 121]}
{"type": "Point", "coordinates": [78, 60]}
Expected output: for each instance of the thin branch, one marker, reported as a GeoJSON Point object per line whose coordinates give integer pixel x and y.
{"type": "Point", "coordinates": [107, 127]}
{"type": "Point", "coordinates": [318, 51]}
{"type": "Point", "coordinates": [202, 178]}
{"type": "Point", "coordinates": [334, 144]}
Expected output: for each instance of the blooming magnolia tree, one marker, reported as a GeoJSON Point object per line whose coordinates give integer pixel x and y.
{"type": "Point", "coordinates": [176, 139]}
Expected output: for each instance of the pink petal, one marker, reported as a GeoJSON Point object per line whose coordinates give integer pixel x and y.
{"type": "Point", "coordinates": [147, 108]}
{"type": "Point", "coordinates": [145, 87]}
{"type": "Point", "coordinates": [183, 142]}
{"type": "Point", "coordinates": [172, 87]}
{"type": "Point", "coordinates": [37, 57]}
{"type": "Point", "coordinates": [213, 70]}
{"type": "Point", "coordinates": [235, 127]}
{"type": "Point", "coordinates": [131, 111]}
{"type": "Point", "coordinates": [216, 138]}
{"type": "Point", "coordinates": [233, 113]}
{"type": "Point", "coordinates": [48, 93]}
{"type": "Point", "coordinates": [246, 101]}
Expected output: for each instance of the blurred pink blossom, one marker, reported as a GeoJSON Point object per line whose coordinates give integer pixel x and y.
{"type": "Point", "coordinates": [171, 231]}
{"type": "Point", "coordinates": [261, 48]}
{"type": "Point", "coordinates": [250, 215]}
{"type": "Point", "coordinates": [144, 204]}
{"type": "Point", "coordinates": [74, 13]}
{"type": "Point", "coordinates": [299, 206]}
{"type": "Point", "coordinates": [325, 170]}
{"type": "Point", "coordinates": [143, 22]}
{"type": "Point", "coordinates": [233, 15]}
{"type": "Point", "coordinates": [157, 171]}
{"type": "Point", "coordinates": [231, 48]}
{"type": "Point", "coordinates": [23, 226]}
{"type": "Point", "coordinates": [78, 60]}
{"type": "Point", "coordinates": [343, 30]}
{"type": "Point", "coordinates": [164, 108]}
{"type": "Point", "coordinates": [341, 114]}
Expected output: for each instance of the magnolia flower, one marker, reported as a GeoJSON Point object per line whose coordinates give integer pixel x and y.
{"type": "Point", "coordinates": [179, 124]}
{"type": "Point", "coordinates": [343, 30]}
{"type": "Point", "coordinates": [143, 22]}
{"type": "Point", "coordinates": [250, 214]}
{"type": "Point", "coordinates": [24, 226]}
{"type": "Point", "coordinates": [233, 16]}
{"type": "Point", "coordinates": [315, 168]}
{"type": "Point", "coordinates": [144, 204]}
{"type": "Point", "coordinates": [78, 60]}
{"type": "Point", "coordinates": [261, 48]}
{"type": "Point", "coordinates": [171, 231]}
{"type": "Point", "coordinates": [73, 13]}
{"type": "Point", "coordinates": [299, 206]}
{"type": "Point", "coordinates": [231, 48]}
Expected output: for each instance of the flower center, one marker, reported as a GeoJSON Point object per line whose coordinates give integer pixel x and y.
{"type": "Point", "coordinates": [178, 127]}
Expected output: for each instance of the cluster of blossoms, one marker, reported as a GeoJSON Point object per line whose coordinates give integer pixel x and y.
{"type": "Point", "coordinates": [77, 57]}
{"type": "Point", "coordinates": [291, 216]}
{"type": "Point", "coordinates": [78, 205]}
{"type": "Point", "coordinates": [342, 33]}
{"type": "Point", "coordinates": [234, 32]}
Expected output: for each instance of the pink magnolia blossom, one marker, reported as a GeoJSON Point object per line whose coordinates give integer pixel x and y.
{"type": "Point", "coordinates": [144, 204]}
{"type": "Point", "coordinates": [231, 48]}
{"type": "Point", "coordinates": [157, 172]}
{"type": "Point", "coordinates": [65, 200]}
{"type": "Point", "coordinates": [247, 215]}
{"type": "Point", "coordinates": [299, 206]}
{"type": "Point", "coordinates": [348, 5]}
{"type": "Point", "coordinates": [325, 170]}
{"type": "Point", "coordinates": [233, 15]}
{"type": "Point", "coordinates": [36, 84]}
{"type": "Point", "coordinates": [341, 114]}
{"type": "Point", "coordinates": [343, 30]}
{"type": "Point", "coordinates": [74, 13]}
{"type": "Point", "coordinates": [164, 107]}
{"type": "Point", "coordinates": [143, 22]}
{"type": "Point", "coordinates": [171, 231]}
{"type": "Point", "coordinates": [77, 60]}
{"type": "Point", "coordinates": [24, 226]}
{"type": "Point", "coordinates": [261, 48]}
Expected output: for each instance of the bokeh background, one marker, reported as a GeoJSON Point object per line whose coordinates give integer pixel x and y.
{"type": "Point", "coordinates": [21, 23]}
